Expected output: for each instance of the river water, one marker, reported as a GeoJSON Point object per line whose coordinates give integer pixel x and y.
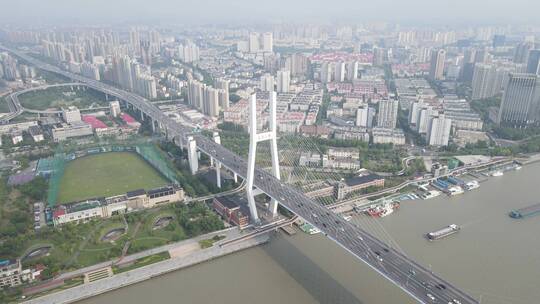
{"type": "Point", "coordinates": [494, 258]}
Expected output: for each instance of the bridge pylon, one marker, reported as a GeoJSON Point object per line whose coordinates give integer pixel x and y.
{"type": "Point", "coordinates": [254, 138]}
{"type": "Point", "coordinates": [215, 163]}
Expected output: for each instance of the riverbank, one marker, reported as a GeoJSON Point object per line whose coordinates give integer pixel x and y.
{"type": "Point", "coordinates": [183, 254]}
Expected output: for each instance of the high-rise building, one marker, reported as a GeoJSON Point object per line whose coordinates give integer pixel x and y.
{"type": "Point", "coordinates": [352, 70]}
{"type": "Point", "coordinates": [146, 86]}
{"type": "Point", "coordinates": [224, 101]}
{"type": "Point", "coordinates": [268, 42]}
{"type": "Point", "coordinates": [299, 64]}
{"type": "Point", "coordinates": [521, 52]}
{"type": "Point", "coordinates": [521, 99]}
{"type": "Point", "coordinates": [533, 62]}
{"type": "Point", "coordinates": [146, 53]}
{"type": "Point", "coordinates": [436, 70]}
{"type": "Point", "coordinates": [339, 72]}
{"type": "Point", "coordinates": [483, 81]}
{"type": "Point", "coordinates": [267, 83]}
{"type": "Point", "coordinates": [388, 111]}
{"type": "Point", "coordinates": [90, 70]}
{"type": "Point", "coordinates": [223, 91]}
{"type": "Point", "coordinates": [326, 72]}
{"type": "Point", "coordinates": [253, 43]}
{"type": "Point", "coordinates": [439, 131]}
{"type": "Point", "coordinates": [283, 81]}
{"type": "Point", "coordinates": [188, 52]}
{"type": "Point", "coordinates": [364, 116]}
{"type": "Point", "coordinates": [211, 102]}
{"type": "Point", "coordinates": [196, 93]}
{"type": "Point", "coordinates": [424, 117]}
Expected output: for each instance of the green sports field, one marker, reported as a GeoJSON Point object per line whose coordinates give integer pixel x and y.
{"type": "Point", "coordinates": [107, 174]}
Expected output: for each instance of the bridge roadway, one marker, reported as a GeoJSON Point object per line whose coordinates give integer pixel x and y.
{"type": "Point", "coordinates": [414, 279]}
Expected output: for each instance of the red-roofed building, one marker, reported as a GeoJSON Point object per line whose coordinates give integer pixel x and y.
{"type": "Point", "coordinates": [130, 121]}
{"type": "Point", "coordinates": [94, 122]}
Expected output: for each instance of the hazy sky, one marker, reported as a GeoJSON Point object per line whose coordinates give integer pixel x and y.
{"type": "Point", "coordinates": [222, 11]}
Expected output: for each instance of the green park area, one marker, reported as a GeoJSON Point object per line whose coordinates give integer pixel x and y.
{"type": "Point", "coordinates": [107, 174]}
{"type": "Point", "coordinates": [57, 97]}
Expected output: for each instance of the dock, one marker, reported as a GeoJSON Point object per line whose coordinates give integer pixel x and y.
{"type": "Point", "coordinates": [289, 230]}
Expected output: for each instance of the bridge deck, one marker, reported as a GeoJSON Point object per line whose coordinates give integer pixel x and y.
{"type": "Point", "coordinates": [393, 265]}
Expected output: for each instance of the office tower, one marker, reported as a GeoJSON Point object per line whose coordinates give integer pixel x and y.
{"type": "Point", "coordinates": [439, 131]}
{"type": "Point", "coordinates": [339, 72]}
{"type": "Point", "coordinates": [326, 72]}
{"type": "Point", "coordinates": [436, 70]}
{"type": "Point", "coordinates": [483, 81]}
{"type": "Point", "coordinates": [521, 53]}
{"type": "Point", "coordinates": [352, 70]}
{"type": "Point", "coordinates": [521, 98]}
{"type": "Point", "coordinates": [388, 111]}
{"type": "Point", "coordinates": [211, 102]}
{"type": "Point", "coordinates": [268, 42]}
{"type": "Point", "coordinates": [253, 43]}
{"type": "Point", "coordinates": [467, 69]}
{"type": "Point", "coordinates": [283, 81]}
{"type": "Point", "coordinates": [364, 116]}
{"type": "Point", "coordinates": [267, 83]}
{"type": "Point", "coordinates": [114, 108]}
{"type": "Point", "coordinates": [533, 62]}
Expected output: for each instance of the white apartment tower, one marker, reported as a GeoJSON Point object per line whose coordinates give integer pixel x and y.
{"type": "Point", "coordinates": [388, 111]}
{"type": "Point", "coordinates": [283, 81]}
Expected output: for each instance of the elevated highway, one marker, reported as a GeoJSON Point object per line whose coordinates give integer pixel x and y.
{"type": "Point", "coordinates": [411, 277]}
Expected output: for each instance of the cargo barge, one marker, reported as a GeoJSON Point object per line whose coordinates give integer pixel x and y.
{"type": "Point", "coordinates": [525, 212]}
{"type": "Point", "coordinates": [442, 233]}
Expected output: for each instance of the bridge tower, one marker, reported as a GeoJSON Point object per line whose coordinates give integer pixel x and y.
{"type": "Point", "coordinates": [215, 162]}
{"type": "Point", "coordinates": [255, 138]}
{"type": "Point", "coordinates": [193, 157]}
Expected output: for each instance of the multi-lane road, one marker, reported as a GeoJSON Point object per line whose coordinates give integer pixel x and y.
{"type": "Point", "coordinates": [416, 280]}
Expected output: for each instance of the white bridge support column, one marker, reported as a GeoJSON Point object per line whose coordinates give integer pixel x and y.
{"type": "Point", "coordinates": [192, 155]}
{"type": "Point", "coordinates": [217, 164]}
{"type": "Point", "coordinates": [254, 139]}
{"type": "Point", "coordinates": [273, 148]}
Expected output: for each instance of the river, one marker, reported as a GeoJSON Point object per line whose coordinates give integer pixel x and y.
{"type": "Point", "coordinates": [494, 258]}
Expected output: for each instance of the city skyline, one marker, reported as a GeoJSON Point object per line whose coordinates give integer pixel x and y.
{"type": "Point", "coordinates": [418, 12]}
